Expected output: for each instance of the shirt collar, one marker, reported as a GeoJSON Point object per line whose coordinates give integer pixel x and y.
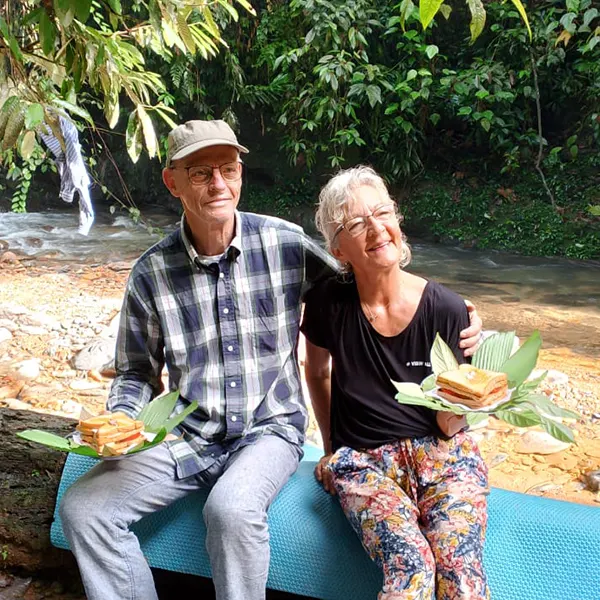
{"type": "Point", "coordinates": [233, 250]}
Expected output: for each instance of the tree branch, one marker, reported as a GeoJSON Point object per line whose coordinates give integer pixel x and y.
{"type": "Point", "coordinates": [538, 162]}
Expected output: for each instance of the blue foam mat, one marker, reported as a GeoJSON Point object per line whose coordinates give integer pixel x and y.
{"type": "Point", "coordinates": [536, 549]}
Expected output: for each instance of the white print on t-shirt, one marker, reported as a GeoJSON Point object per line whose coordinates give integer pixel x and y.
{"type": "Point", "coordinates": [418, 363]}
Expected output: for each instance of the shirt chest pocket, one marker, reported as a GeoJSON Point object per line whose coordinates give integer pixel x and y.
{"type": "Point", "coordinates": [267, 311]}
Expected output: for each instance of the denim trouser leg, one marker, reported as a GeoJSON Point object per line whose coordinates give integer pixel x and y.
{"type": "Point", "coordinates": [236, 517]}
{"type": "Point", "coordinates": [98, 509]}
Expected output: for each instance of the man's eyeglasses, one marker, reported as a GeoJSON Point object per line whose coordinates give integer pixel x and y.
{"type": "Point", "coordinates": [203, 174]}
{"type": "Point", "coordinates": [358, 225]}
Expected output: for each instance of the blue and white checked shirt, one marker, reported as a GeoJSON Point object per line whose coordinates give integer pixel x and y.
{"type": "Point", "coordinates": [227, 330]}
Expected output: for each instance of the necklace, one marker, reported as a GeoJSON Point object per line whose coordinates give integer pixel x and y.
{"type": "Point", "coordinates": [370, 316]}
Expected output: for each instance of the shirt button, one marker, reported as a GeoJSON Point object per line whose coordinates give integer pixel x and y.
{"type": "Point", "coordinates": [221, 275]}
{"type": "Point", "coordinates": [230, 348]}
{"type": "Point", "coordinates": [225, 311]}
{"type": "Point", "coordinates": [234, 418]}
{"type": "Point", "coordinates": [233, 384]}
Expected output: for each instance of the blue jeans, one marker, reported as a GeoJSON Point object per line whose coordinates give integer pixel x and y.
{"type": "Point", "coordinates": [98, 509]}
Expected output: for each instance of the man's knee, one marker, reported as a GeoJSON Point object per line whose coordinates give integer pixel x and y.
{"type": "Point", "coordinates": [78, 510]}
{"type": "Point", "coordinates": [231, 518]}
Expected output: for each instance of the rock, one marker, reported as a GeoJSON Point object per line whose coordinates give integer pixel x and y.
{"type": "Point", "coordinates": [592, 481]}
{"type": "Point", "coordinates": [95, 356]}
{"type": "Point", "coordinates": [27, 369]}
{"type": "Point", "coordinates": [495, 460]}
{"type": "Point", "coordinates": [84, 384]}
{"type": "Point", "coordinates": [539, 442]}
{"type": "Point", "coordinates": [542, 488]}
{"type": "Point", "coordinates": [10, 388]}
{"type": "Point", "coordinates": [8, 257]}
{"type": "Point", "coordinates": [5, 334]}
{"type": "Point", "coordinates": [32, 330]}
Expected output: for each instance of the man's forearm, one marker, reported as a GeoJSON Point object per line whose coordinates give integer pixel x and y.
{"type": "Point", "coordinates": [129, 394]}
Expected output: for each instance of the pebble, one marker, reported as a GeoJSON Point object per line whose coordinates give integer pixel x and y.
{"type": "Point", "coordinates": [592, 481]}
{"type": "Point", "coordinates": [497, 459]}
{"type": "Point", "coordinates": [5, 334]}
{"type": "Point", "coordinates": [539, 442]}
{"type": "Point", "coordinates": [84, 384]}
{"type": "Point", "coordinates": [542, 488]}
{"type": "Point", "coordinates": [27, 369]}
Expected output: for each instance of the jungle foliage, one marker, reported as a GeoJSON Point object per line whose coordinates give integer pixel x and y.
{"type": "Point", "coordinates": [420, 90]}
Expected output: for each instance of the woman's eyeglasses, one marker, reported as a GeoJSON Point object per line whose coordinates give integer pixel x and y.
{"type": "Point", "coordinates": [358, 225]}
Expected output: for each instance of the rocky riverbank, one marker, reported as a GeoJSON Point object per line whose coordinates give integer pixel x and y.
{"type": "Point", "coordinates": [50, 312]}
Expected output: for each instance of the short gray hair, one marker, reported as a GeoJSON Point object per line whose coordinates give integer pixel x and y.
{"type": "Point", "coordinates": [334, 198]}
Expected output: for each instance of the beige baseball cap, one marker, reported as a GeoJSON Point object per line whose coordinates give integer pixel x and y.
{"type": "Point", "coordinates": [195, 135]}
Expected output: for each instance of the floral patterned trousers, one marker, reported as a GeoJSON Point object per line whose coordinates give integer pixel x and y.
{"type": "Point", "coordinates": [419, 508]}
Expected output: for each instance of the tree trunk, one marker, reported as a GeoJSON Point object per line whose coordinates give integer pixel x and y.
{"type": "Point", "coordinates": [29, 478]}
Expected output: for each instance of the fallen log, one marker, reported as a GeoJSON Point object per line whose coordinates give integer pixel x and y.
{"type": "Point", "coordinates": [29, 478]}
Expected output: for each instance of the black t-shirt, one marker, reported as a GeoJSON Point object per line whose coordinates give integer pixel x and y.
{"type": "Point", "coordinates": [364, 411]}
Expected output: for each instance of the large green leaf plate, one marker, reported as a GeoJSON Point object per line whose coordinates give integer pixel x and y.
{"type": "Point", "coordinates": [523, 407]}
{"type": "Point", "coordinates": [156, 416]}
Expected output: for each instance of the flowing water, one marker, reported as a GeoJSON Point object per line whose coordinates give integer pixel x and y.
{"type": "Point", "coordinates": [558, 296]}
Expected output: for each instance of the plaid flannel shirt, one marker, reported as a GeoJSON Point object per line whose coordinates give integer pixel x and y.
{"type": "Point", "coordinates": [227, 329]}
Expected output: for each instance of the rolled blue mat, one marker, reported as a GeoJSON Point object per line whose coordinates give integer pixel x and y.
{"type": "Point", "coordinates": [536, 548]}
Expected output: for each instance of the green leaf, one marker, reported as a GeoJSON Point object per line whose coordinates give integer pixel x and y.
{"type": "Point", "coordinates": [589, 15]}
{"type": "Point", "coordinates": [10, 40]}
{"type": "Point", "coordinates": [442, 358]}
{"type": "Point", "coordinates": [523, 361]}
{"type": "Point", "coordinates": [409, 389]}
{"type": "Point", "coordinates": [28, 145]}
{"type": "Point", "coordinates": [446, 10]}
{"type": "Point", "coordinates": [148, 130]}
{"type": "Point", "coordinates": [34, 116]}
{"type": "Point", "coordinates": [65, 11]}
{"type": "Point", "coordinates": [485, 124]}
{"type": "Point", "coordinates": [435, 118]}
{"type": "Point", "coordinates": [548, 408]}
{"type": "Point", "coordinates": [428, 383]}
{"type": "Point", "coordinates": [82, 10]}
{"type": "Point", "coordinates": [157, 412]}
{"type": "Point", "coordinates": [44, 437]}
{"type": "Point", "coordinates": [477, 18]}
{"type": "Point", "coordinates": [411, 75]}
{"type": "Point", "coordinates": [115, 6]}
{"type": "Point", "coordinates": [519, 6]}
{"type": "Point", "coordinates": [558, 430]}
{"type": "Point", "coordinates": [48, 33]}
{"type": "Point", "coordinates": [428, 10]}
{"type": "Point", "coordinates": [431, 51]}
{"type": "Point", "coordinates": [475, 418]}
{"type": "Point", "coordinates": [494, 351]}
{"type": "Point", "coordinates": [175, 420]}
{"type": "Point", "coordinates": [527, 387]}
{"type": "Point", "coordinates": [523, 418]}
{"type": "Point", "coordinates": [72, 108]}
{"type": "Point", "coordinates": [133, 137]}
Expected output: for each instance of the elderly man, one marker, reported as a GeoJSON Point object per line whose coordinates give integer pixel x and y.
{"type": "Point", "coordinates": [218, 302]}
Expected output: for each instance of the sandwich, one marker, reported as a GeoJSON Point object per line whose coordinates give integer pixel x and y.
{"type": "Point", "coordinates": [473, 387]}
{"type": "Point", "coordinates": [112, 434]}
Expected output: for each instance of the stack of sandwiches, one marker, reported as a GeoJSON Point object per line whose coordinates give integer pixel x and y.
{"type": "Point", "coordinates": [112, 434]}
{"type": "Point", "coordinates": [472, 387]}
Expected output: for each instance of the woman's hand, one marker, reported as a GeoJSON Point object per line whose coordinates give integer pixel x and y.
{"type": "Point", "coordinates": [451, 423]}
{"type": "Point", "coordinates": [323, 474]}
{"type": "Point", "coordinates": [471, 336]}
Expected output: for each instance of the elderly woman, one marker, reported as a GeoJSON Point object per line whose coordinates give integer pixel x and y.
{"type": "Point", "coordinates": [410, 480]}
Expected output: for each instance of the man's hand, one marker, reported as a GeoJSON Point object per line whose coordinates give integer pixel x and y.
{"type": "Point", "coordinates": [471, 336]}
{"type": "Point", "coordinates": [323, 474]}
{"type": "Point", "coordinates": [449, 423]}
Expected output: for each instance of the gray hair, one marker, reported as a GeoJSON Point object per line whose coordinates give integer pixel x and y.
{"type": "Point", "coordinates": [337, 193]}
